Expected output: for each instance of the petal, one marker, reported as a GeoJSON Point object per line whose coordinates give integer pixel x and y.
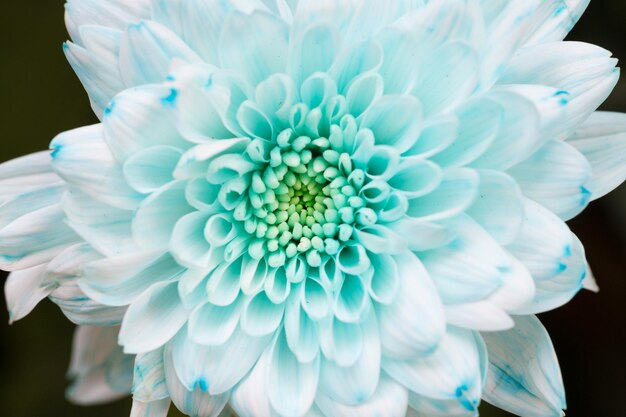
{"type": "Point", "coordinates": [26, 174]}
{"type": "Point", "coordinates": [602, 140]}
{"type": "Point", "coordinates": [216, 369]}
{"type": "Point", "coordinates": [158, 408]}
{"type": "Point", "coordinates": [158, 214]}
{"type": "Point", "coordinates": [146, 51]}
{"type": "Point", "coordinates": [452, 372]}
{"type": "Point", "coordinates": [34, 238]}
{"type": "Point", "coordinates": [389, 400]}
{"type": "Point", "coordinates": [140, 118]}
{"type": "Point", "coordinates": [455, 193]}
{"type": "Point", "coordinates": [109, 13]}
{"type": "Point", "coordinates": [118, 280]}
{"type": "Point", "coordinates": [106, 228]}
{"type": "Point", "coordinates": [82, 158]}
{"type": "Point", "coordinates": [556, 176]}
{"type": "Point", "coordinates": [149, 379]}
{"type": "Point", "coordinates": [554, 19]}
{"type": "Point", "coordinates": [24, 290]}
{"type": "Point", "coordinates": [414, 322]}
{"type": "Point", "coordinates": [469, 268]}
{"type": "Point", "coordinates": [150, 169]}
{"type": "Point", "coordinates": [544, 243]}
{"type": "Point", "coordinates": [250, 397]}
{"type": "Point", "coordinates": [212, 325]}
{"type": "Point", "coordinates": [313, 51]}
{"type": "Point", "coordinates": [263, 36]}
{"type": "Point", "coordinates": [395, 121]}
{"type": "Point", "coordinates": [500, 208]}
{"type": "Point", "coordinates": [524, 376]}
{"type": "Point", "coordinates": [153, 319]}
{"type": "Point", "coordinates": [98, 73]}
{"type": "Point", "coordinates": [355, 383]}
{"type": "Point", "coordinates": [100, 370]}
{"type": "Point", "coordinates": [196, 402]}
{"type": "Point", "coordinates": [292, 385]}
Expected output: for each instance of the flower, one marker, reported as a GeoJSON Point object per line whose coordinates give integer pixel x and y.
{"type": "Point", "coordinates": [317, 207]}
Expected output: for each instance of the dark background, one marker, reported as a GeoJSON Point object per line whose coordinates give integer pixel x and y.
{"type": "Point", "coordinates": [40, 97]}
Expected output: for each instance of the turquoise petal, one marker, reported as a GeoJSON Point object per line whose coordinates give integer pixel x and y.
{"type": "Point", "coordinates": [25, 174]}
{"type": "Point", "coordinates": [422, 406]}
{"type": "Point", "coordinates": [300, 330]}
{"type": "Point", "coordinates": [148, 170]}
{"type": "Point", "coordinates": [524, 376]}
{"type": "Point", "coordinates": [400, 67]}
{"type": "Point", "coordinates": [261, 316]}
{"type": "Point", "coordinates": [554, 19]}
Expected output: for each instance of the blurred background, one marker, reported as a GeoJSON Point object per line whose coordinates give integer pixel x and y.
{"type": "Point", "coordinates": [40, 97]}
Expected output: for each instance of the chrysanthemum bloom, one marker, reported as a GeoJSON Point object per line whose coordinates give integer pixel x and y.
{"type": "Point", "coordinates": [317, 207]}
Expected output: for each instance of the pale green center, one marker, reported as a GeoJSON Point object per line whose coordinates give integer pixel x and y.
{"type": "Point", "coordinates": [305, 201]}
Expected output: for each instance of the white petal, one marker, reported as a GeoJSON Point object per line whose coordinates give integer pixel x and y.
{"type": "Point", "coordinates": [292, 385]}
{"type": "Point", "coordinates": [250, 398]}
{"type": "Point", "coordinates": [83, 159]}
{"type": "Point", "coordinates": [152, 319]}
{"type": "Point", "coordinates": [121, 279]}
{"type": "Point", "coordinates": [263, 36]}
{"type": "Point", "coordinates": [554, 19]}
{"type": "Point", "coordinates": [25, 174]}
{"type": "Point", "coordinates": [195, 402]}
{"type": "Point", "coordinates": [216, 369]}
{"type": "Point", "coordinates": [147, 50]}
{"type": "Point", "coordinates": [389, 400]}
{"type": "Point", "coordinates": [34, 238]}
{"type": "Point", "coordinates": [556, 176]}
{"type": "Point", "coordinates": [414, 322]}
{"type": "Point", "coordinates": [602, 140]}
{"type": "Point", "coordinates": [158, 214]}
{"type": "Point", "coordinates": [524, 376]}
{"type": "Point", "coordinates": [106, 228]}
{"type": "Point", "coordinates": [356, 383]}
{"type": "Point", "coordinates": [24, 290]}
{"type": "Point", "coordinates": [454, 371]}
{"type": "Point", "coordinates": [158, 408]}
{"type": "Point", "coordinates": [149, 378]}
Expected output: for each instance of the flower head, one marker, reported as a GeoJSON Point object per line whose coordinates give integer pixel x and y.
{"type": "Point", "coordinates": [319, 208]}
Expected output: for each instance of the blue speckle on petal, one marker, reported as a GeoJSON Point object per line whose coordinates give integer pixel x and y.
{"type": "Point", "coordinates": [171, 98]}
{"type": "Point", "coordinates": [55, 150]}
{"type": "Point", "coordinates": [202, 384]}
{"type": "Point", "coordinates": [585, 196]}
{"type": "Point", "coordinates": [559, 10]}
{"type": "Point", "coordinates": [563, 97]}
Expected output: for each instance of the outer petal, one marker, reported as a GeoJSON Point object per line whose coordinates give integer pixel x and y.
{"type": "Point", "coordinates": [100, 370]}
{"type": "Point", "coordinates": [24, 290]}
{"type": "Point", "coordinates": [524, 376]}
{"type": "Point", "coordinates": [150, 409]}
{"type": "Point", "coordinates": [452, 372]}
{"type": "Point", "coordinates": [602, 140]}
{"type": "Point", "coordinates": [26, 174]}
{"type": "Point", "coordinates": [389, 400]}
{"type": "Point", "coordinates": [554, 19]}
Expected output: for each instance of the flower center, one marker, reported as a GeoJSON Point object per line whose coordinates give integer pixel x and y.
{"type": "Point", "coordinates": [305, 201]}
